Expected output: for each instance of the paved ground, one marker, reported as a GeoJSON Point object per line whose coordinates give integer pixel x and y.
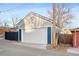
{"type": "Point", "coordinates": [9, 48]}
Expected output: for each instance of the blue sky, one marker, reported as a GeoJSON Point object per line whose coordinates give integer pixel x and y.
{"type": "Point", "coordinates": [75, 13]}
{"type": "Point", "coordinates": [74, 10]}
{"type": "Point", "coordinates": [9, 11]}
{"type": "Point", "coordinates": [19, 10]}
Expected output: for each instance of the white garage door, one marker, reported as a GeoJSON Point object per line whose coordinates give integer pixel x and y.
{"type": "Point", "coordinates": [39, 36]}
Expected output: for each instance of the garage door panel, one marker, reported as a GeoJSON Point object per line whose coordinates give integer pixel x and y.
{"type": "Point", "coordinates": [37, 36]}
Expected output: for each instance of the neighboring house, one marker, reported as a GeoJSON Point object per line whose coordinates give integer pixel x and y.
{"type": "Point", "coordinates": [65, 31]}
{"type": "Point", "coordinates": [3, 30]}
{"type": "Point", "coordinates": [75, 33]}
{"type": "Point", "coordinates": [1, 33]}
{"type": "Point", "coordinates": [72, 38]}
{"type": "Point", "coordinates": [36, 28]}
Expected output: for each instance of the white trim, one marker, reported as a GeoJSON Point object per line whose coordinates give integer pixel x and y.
{"type": "Point", "coordinates": [21, 35]}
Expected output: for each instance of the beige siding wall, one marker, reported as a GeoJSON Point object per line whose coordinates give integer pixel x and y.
{"type": "Point", "coordinates": [32, 21]}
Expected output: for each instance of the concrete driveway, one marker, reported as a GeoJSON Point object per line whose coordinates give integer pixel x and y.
{"type": "Point", "coordinates": [9, 48]}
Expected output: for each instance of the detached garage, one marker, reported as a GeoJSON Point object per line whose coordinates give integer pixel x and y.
{"type": "Point", "coordinates": [35, 28]}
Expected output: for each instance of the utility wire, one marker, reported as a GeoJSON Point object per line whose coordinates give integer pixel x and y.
{"type": "Point", "coordinates": [11, 9]}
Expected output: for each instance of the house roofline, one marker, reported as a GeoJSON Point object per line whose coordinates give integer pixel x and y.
{"type": "Point", "coordinates": [36, 14]}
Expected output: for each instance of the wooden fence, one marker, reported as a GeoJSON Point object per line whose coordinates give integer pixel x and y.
{"type": "Point", "coordinates": [66, 39]}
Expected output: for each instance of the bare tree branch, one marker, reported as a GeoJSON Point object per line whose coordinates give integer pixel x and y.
{"type": "Point", "coordinates": [61, 14]}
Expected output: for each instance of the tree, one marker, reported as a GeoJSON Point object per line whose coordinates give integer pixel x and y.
{"type": "Point", "coordinates": [1, 23]}
{"type": "Point", "coordinates": [5, 24]}
{"type": "Point", "coordinates": [61, 13]}
{"type": "Point", "coordinates": [61, 17]}
{"type": "Point", "coordinates": [14, 20]}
